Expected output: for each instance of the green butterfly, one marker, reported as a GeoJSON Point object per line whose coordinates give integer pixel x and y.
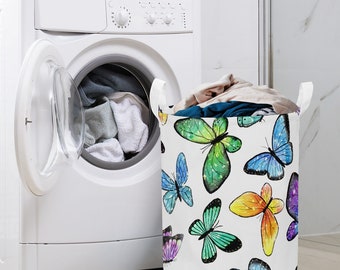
{"type": "Point", "coordinates": [216, 166]}
{"type": "Point", "coordinates": [247, 121]}
{"type": "Point", "coordinates": [211, 238]}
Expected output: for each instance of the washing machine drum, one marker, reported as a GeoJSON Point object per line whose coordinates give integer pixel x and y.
{"type": "Point", "coordinates": [119, 126]}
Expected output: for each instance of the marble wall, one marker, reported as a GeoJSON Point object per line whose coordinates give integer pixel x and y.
{"type": "Point", "coordinates": [305, 47]}
{"type": "Point", "coordinates": [229, 39]}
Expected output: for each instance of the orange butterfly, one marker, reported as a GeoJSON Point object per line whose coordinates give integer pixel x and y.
{"type": "Point", "coordinates": [250, 204]}
{"type": "Point", "coordinates": [163, 117]}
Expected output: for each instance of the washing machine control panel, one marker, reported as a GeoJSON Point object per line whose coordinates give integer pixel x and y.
{"type": "Point", "coordinates": [140, 16]}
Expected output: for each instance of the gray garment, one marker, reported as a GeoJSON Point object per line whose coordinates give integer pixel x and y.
{"type": "Point", "coordinates": [106, 80]}
{"type": "Point", "coordinates": [99, 123]}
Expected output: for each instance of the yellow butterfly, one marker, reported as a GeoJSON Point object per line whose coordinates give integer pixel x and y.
{"type": "Point", "coordinates": [163, 117]}
{"type": "Point", "coordinates": [250, 204]}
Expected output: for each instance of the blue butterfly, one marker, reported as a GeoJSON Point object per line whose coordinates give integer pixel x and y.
{"type": "Point", "coordinates": [273, 162]}
{"type": "Point", "coordinates": [256, 264]}
{"type": "Point", "coordinates": [175, 188]}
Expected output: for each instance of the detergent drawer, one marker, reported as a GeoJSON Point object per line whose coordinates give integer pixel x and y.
{"type": "Point", "coordinates": [77, 15]}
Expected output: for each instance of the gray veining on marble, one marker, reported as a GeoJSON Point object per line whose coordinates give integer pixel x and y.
{"type": "Point", "coordinates": [310, 132]}
{"type": "Point", "coordinates": [329, 93]}
{"type": "Point", "coordinates": [308, 20]}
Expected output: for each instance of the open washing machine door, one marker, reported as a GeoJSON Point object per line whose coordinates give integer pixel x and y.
{"type": "Point", "coordinates": [49, 118]}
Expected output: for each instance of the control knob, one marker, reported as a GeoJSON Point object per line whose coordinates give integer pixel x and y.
{"type": "Point", "coordinates": [167, 18]}
{"type": "Point", "coordinates": [151, 18]}
{"type": "Point", "coordinates": [122, 17]}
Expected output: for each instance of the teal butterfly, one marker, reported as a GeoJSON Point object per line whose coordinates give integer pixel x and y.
{"type": "Point", "coordinates": [211, 238]}
{"type": "Point", "coordinates": [216, 166]}
{"type": "Point", "coordinates": [247, 121]}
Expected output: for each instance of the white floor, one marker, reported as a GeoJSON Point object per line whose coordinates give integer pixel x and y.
{"type": "Point", "coordinates": [319, 252]}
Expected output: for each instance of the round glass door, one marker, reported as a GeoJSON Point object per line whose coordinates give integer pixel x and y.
{"type": "Point", "coordinates": [49, 128]}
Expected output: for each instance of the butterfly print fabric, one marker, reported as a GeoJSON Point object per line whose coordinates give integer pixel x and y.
{"type": "Point", "coordinates": [227, 191]}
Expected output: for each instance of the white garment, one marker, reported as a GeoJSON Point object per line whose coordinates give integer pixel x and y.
{"type": "Point", "coordinates": [132, 119]}
{"type": "Point", "coordinates": [246, 92]}
{"type": "Point", "coordinates": [229, 88]}
{"type": "Point", "coordinates": [108, 150]}
{"type": "Point", "coordinates": [205, 92]}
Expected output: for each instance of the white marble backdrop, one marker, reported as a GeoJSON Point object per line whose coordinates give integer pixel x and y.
{"type": "Point", "coordinates": [306, 47]}
{"type": "Point", "coordinates": [229, 39]}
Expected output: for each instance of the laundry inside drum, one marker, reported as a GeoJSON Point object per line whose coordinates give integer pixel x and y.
{"type": "Point", "coordinates": [119, 125]}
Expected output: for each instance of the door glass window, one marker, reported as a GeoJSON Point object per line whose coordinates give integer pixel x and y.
{"type": "Point", "coordinates": [67, 118]}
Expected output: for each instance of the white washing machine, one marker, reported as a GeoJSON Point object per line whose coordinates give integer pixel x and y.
{"type": "Point", "coordinates": [78, 211]}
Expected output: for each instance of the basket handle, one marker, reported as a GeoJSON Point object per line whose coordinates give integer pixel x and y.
{"type": "Point", "coordinates": [158, 97]}
{"type": "Point", "coordinates": [305, 96]}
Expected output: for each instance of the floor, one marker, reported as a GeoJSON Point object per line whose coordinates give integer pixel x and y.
{"type": "Point", "coordinates": [319, 252]}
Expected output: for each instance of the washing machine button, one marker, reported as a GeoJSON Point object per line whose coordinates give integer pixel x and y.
{"type": "Point", "coordinates": [152, 4]}
{"type": "Point", "coordinates": [163, 4]}
{"type": "Point", "coordinates": [143, 4]}
{"type": "Point", "coordinates": [182, 6]}
{"type": "Point", "coordinates": [172, 5]}
{"type": "Point", "coordinates": [111, 4]}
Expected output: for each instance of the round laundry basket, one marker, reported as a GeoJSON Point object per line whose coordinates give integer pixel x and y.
{"type": "Point", "coordinates": [229, 189]}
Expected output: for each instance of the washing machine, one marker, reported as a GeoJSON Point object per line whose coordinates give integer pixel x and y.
{"type": "Point", "coordinates": [78, 211]}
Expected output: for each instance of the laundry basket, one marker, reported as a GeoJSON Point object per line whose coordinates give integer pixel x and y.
{"type": "Point", "coordinates": [229, 189]}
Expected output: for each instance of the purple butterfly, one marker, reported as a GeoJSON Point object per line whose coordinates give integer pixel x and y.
{"type": "Point", "coordinates": [171, 244]}
{"type": "Point", "coordinates": [293, 206]}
